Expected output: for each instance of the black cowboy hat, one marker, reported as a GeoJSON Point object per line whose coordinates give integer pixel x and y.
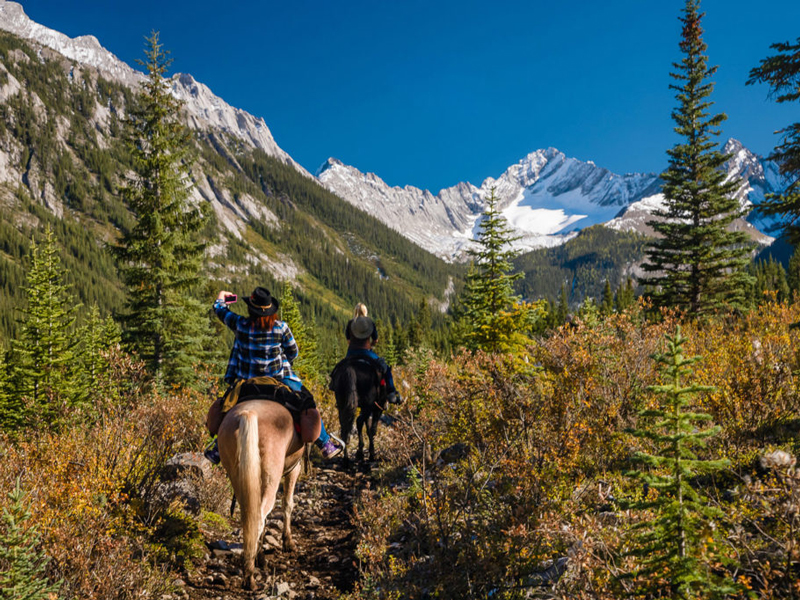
{"type": "Point", "coordinates": [361, 328]}
{"type": "Point", "coordinates": [261, 303]}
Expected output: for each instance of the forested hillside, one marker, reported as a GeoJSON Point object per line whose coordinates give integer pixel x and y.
{"type": "Point", "coordinates": [581, 266]}
{"type": "Point", "coordinates": [65, 155]}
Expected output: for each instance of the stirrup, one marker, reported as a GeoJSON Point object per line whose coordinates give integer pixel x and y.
{"type": "Point", "coordinates": [211, 451]}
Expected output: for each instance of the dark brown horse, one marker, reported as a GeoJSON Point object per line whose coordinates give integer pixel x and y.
{"type": "Point", "coordinates": [259, 448]}
{"type": "Point", "coordinates": [357, 385]}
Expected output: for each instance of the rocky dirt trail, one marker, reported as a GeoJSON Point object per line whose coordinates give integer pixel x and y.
{"type": "Point", "coordinates": [324, 565]}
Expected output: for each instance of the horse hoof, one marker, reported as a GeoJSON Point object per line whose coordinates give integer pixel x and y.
{"type": "Point", "coordinates": [249, 583]}
{"type": "Point", "coordinates": [289, 546]}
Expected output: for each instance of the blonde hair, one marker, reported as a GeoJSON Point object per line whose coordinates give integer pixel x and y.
{"type": "Point", "coordinates": [360, 311]}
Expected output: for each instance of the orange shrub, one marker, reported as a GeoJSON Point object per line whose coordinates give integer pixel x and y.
{"type": "Point", "coordinates": [90, 487]}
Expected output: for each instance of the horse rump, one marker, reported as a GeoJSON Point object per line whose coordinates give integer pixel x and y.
{"type": "Point", "coordinates": [356, 384]}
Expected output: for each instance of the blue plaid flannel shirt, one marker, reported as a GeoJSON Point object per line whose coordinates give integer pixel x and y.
{"type": "Point", "coordinates": [256, 352]}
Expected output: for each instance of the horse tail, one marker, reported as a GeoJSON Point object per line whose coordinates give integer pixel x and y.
{"type": "Point", "coordinates": [249, 483]}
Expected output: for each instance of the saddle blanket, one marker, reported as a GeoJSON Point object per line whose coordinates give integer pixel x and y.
{"type": "Point", "coordinates": [268, 388]}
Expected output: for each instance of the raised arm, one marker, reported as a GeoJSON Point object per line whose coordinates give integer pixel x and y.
{"type": "Point", "coordinates": [225, 314]}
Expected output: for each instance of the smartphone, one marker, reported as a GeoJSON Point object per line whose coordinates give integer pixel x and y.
{"type": "Point", "coordinates": [231, 298]}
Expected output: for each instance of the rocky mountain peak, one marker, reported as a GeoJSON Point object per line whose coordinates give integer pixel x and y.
{"type": "Point", "coordinates": [329, 164]}
{"type": "Point", "coordinates": [204, 109]}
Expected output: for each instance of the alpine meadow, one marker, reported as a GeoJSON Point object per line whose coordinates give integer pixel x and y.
{"type": "Point", "coordinates": [581, 385]}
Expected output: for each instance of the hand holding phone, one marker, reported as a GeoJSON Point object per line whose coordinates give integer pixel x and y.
{"type": "Point", "coordinates": [231, 298]}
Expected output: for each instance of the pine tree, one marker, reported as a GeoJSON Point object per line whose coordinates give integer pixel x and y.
{"type": "Point", "coordinates": [22, 564]}
{"type": "Point", "coordinates": [589, 313]}
{"type": "Point", "coordinates": [769, 281]}
{"type": "Point", "coordinates": [782, 73]}
{"type": "Point", "coordinates": [11, 407]}
{"type": "Point", "coordinates": [793, 273]}
{"type": "Point", "coordinates": [388, 348]}
{"type": "Point", "coordinates": [562, 308]}
{"type": "Point", "coordinates": [490, 315]}
{"type": "Point", "coordinates": [307, 365]}
{"type": "Point", "coordinates": [625, 296]}
{"type": "Point", "coordinates": [97, 335]}
{"type": "Point", "coordinates": [44, 368]}
{"type": "Point", "coordinates": [419, 330]}
{"type": "Point", "coordinates": [696, 263]}
{"type": "Point", "coordinates": [162, 256]}
{"type": "Point", "coordinates": [678, 544]}
{"type": "Point", "coordinates": [607, 305]}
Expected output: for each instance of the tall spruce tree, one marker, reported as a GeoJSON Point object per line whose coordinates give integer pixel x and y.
{"type": "Point", "coordinates": [162, 256]}
{"type": "Point", "coordinates": [677, 546]}
{"type": "Point", "coordinates": [22, 565]}
{"type": "Point", "coordinates": [44, 370]}
{"type": "Point", "coordinates": [625, 296]}
{"type": "Point", "coordinates": [562, 308]}
{"type": "Point", "coordinates": [490, 315]}
{"type": "Point", "coordinates": [696, 264]}
{"type": "Point", "coordinates": [308, 364]}
{"type": "Point", "coordinates": [607, 305]}
{"type": "Point", "coordinates": [388, 347]}
{"type": "Point", "coordinates": [97, 336]}
{"type": "Point", "coordinates": [419, 330]}
{"type": "Point", "coordinates": [782, 73]}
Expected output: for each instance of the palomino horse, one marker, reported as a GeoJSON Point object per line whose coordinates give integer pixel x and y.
{"type": "Point", "coordinates": [259, 447]}
{"type": "Point", "coordinates": [357, 384]}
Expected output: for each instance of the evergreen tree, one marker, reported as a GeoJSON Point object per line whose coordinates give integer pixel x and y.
{"type": "Point", "coordinates": [400, 340]}
{"type": "Point", "coordinates": [793, 273]}
{"type": "Point", "coordinates": [490, 315]}
{"type": "Point", "coordinates": [589, 312]}
{"type": "Point", "coordinates": [562, 308]}
{"type": "Point", "coordinates": [677, 544]}
{"type": "Point", "coordinates": [388, 348]}
{"type": "Point", "coordinates": [97, 335]}
{"type": "Point", "coordinates": [419, 330]}
{"type": "Point", "coordinates": [11, 407]}
{"type": "Point", "coordinates": [770, 281]}
{"type": "Point", "coordinates": [782, 73]}
{"type": "Point", "coordinates": [696, 263]}
{"type": "Point", "coordinates": [307, 365]}
{"type": "Point", "coordinates": [22, 564]}
{"type": "Point", "coordinates": [161, 257]}
{"type": "Point", "coordinates": [625, 296]}
{"type": "Point", "coordinates": [607, 305]}
{"type": "Point", "coordinates": [45, 373]}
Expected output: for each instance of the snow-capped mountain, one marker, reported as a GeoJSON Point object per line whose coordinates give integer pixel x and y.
{"type": "Point", "coordinates": [546, 197]}
{"type": "Point", "coordinates": [758, 177]}
{"type": "Point", "coordinates": [204, 109]}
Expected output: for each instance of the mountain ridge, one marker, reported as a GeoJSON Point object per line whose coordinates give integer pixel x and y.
{"type": "Point", "coordinates": [205, 109]}
{"type": "Point", "coordinates": [546, 197]}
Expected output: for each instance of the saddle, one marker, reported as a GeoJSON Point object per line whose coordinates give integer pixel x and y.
{"type": "Point", "coordinates": [268, 388]}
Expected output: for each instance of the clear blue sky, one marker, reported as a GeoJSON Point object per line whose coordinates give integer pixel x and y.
{"type": "Point", "coordinates": [430, 93]}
